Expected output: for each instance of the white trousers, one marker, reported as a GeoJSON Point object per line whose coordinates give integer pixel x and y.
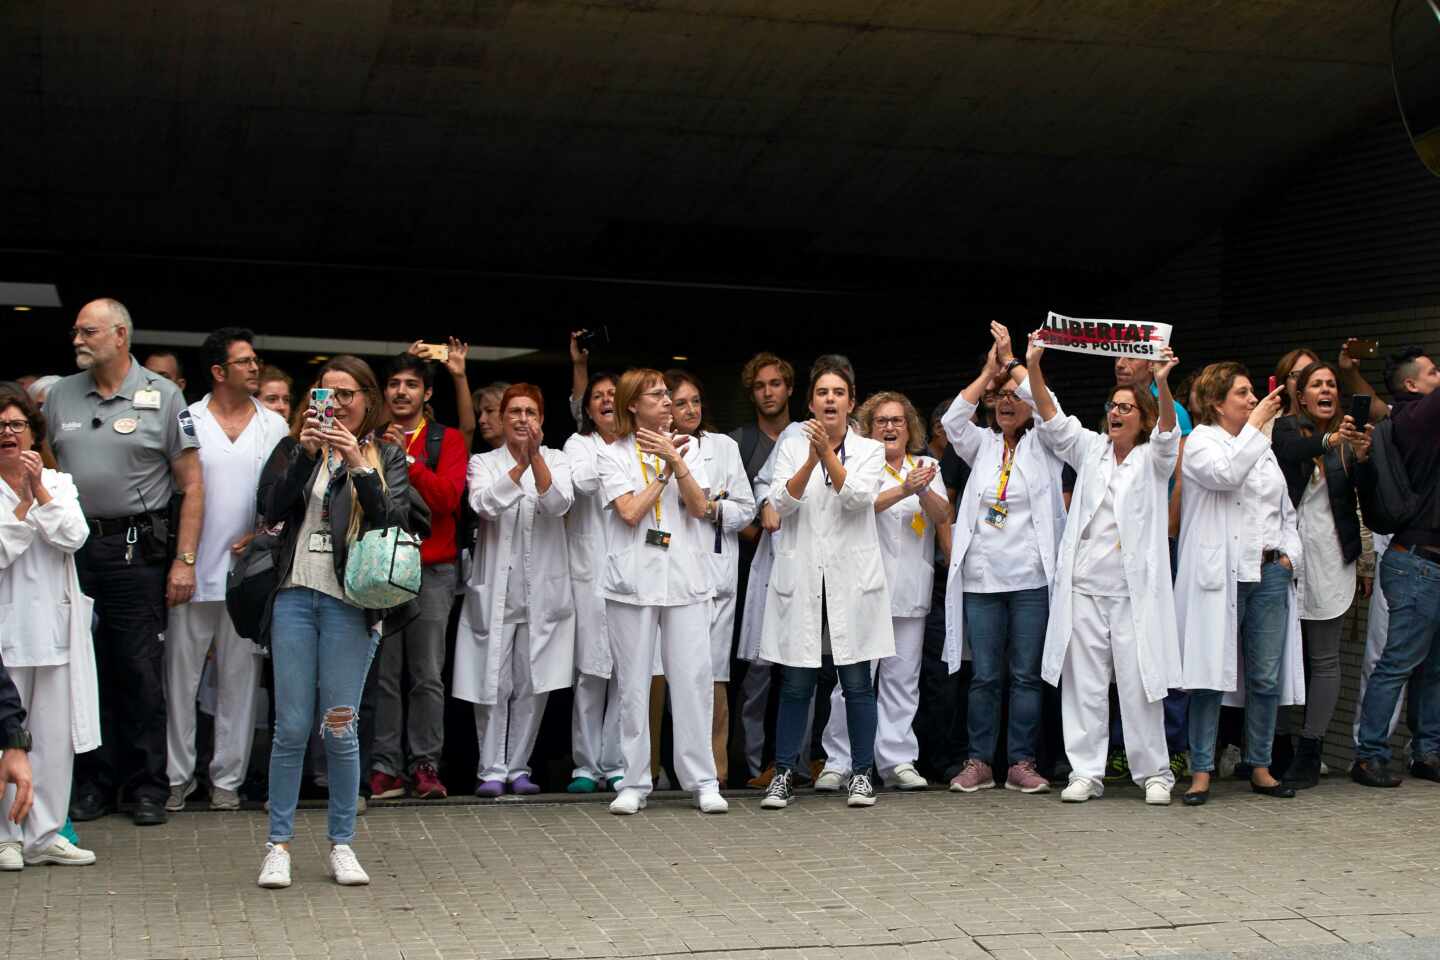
{"type": "Point", "coordinates": [507, 728]}
{"type": "Point", "coordinates": [192, 629]}
{"type": "Point", "coordinates": [897, 697]}
{"type": "Point", "coordinates": [1102, 642]}
{"type": "Point", "coordinates": [1377, 627]}
{"type": "Point", "coordinates": [635, 631]}
{"type": "Point", "coordinates": [45, 693]}
{"type": "Point", "coordinates": [722, 636]}
{"type": "Point", "coordinates": [595, 729]}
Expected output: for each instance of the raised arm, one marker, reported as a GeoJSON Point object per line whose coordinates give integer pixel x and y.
{"type": "Point", "coordinates": [960, 428]}
{"type": "Point", "coordinates": [1355, 385]}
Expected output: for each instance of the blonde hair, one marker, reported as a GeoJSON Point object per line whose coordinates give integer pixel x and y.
{"type": "Point", "coordinates": [913, 424]}
{"type": "Point", "coordinates": [628, 388]}
{"type": "Point", "coordinates": [1211, 388]}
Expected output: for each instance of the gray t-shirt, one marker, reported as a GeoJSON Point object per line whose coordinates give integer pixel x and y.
{"type": "Point", "coordinates": [119, 449]}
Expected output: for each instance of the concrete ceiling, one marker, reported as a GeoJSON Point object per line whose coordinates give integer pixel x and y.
{"type": "Point", "coordinates": [791, 141]}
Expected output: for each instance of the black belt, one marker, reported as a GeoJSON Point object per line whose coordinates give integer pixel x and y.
{"type": "Point", "coordinates": [1420, 550]}
{"type": "Point", "coordinates": [1271, 556]}
{"type": "Point", "coordinates": [119, 525]}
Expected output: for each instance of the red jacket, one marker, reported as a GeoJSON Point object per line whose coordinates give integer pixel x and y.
{"type": "Point", "coordinates": [442, 489]}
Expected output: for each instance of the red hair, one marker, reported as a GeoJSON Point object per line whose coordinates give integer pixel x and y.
{"type": "Point", "coordinates": [523, 390]}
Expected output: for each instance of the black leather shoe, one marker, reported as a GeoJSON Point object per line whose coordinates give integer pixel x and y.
{"type": "Point", "coordinates": [89, 805]}
{"type": "Point", "coordinates": [1426, 768]}
{"type": "Point", "coordinates": [1372, 773]}
{"type": "Point", "coordinates": [1195, 799]}
{"type": "Point", "coordinates": [1277, 789]}
{"type": "Point", "coordinates": [149, 813]}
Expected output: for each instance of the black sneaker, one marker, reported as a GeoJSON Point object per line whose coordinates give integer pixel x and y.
{"type": "Point", "coordinates": [862, 791]}
{"type": "Point", "coordinates": [1373, 773]}
{"type": "Point", "coordinates": [781, 792]}
{"type": "Point", "coordinates": [1426, 767]}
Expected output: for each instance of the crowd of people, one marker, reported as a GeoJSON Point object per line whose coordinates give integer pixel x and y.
{"type": "Point", "coordinates": [1005, 594]}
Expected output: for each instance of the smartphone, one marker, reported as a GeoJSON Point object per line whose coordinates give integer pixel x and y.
{"type": "Point", "coordinates": [322, 401]}
{"type": "Point", "coordinates": [595, 337]}
{"type": "Point", "coordinates": [1362, 348]}
{"type": "Point", "coordinates": [1360, 410]}
{"type": "Point", "coordinates": [435, 351]}
{"type": "Point", "coordinates": [1273, 384]}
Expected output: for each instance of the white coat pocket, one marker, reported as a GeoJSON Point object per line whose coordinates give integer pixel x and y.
{"type": "Point", "coordinates": [620, 572]}
{"type": "Point", "coordinates": [869, 570]}
{"type": "Point", "coordinates": [582, 556]}
{"type": "Point", "coordinates": [1212, 567]}
{"type": "Point", "coordinates": [559, 599]}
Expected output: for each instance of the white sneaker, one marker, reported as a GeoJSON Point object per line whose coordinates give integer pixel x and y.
{"type": "Point", "coordinates": [10, 858]}
{"type": "Point", "coordinates": [906, 777]}
{"type": "Point", "coordinates": [343, 865]}
{"type": "Point", "coordinates": [711, 802]}
{"type": "Point", "coordinates": [1080, 789]}
{"type": "Point", "coordinates": [1157, 792]}
{"type": "Point", "coordinates": [829, 781]}
{"type": "Point", "coordinates": [222, 799]}
{"type": "Point", "coordinates": [630, 800]}
{"type": "Point", "coordinates": [64, 853]}
{"type": "Point", "coordinates": [178, 794]}
{"type": "Point", "coordinates": [275, 871]}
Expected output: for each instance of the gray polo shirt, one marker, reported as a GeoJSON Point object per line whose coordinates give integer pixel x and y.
{"type": "Point", "coordinates": [119, 449]}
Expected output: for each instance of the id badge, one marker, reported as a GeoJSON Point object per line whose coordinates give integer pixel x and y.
{"type": "Point", "coordinates": [320, 542]}
{"type": "Point", "coordinates": [657, 538]}
{"type": "Point", "coordinates": [996, 515]}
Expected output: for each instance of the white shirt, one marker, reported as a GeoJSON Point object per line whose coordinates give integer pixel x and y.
{"type": "Point", "coordinates": [316, 571]}
{"type": "Point", "coordinates": [907, 544]}
{"type": "Point", "coordinates": [232, 474]}
{"type": "Point", "coordinates": [999, 560]}
{"type": "Point", "coordinates": [1262, 497]}
{"type": "Point", "coordinates": [1099, 562]}
{"type": "Point", "coordinates": [34, 622]}
{"type": "Point", "coordinates": [516, 596]}
{"type": "Point", "coordinates": [1327, 581]}
{"type": "Point", "coordinates": [642, 573]}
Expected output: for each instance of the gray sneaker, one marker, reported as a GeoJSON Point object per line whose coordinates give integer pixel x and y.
{"type": "Point", "coordinates": [222, 799]}
{"type": "Point", "coordinates": [178, 795]}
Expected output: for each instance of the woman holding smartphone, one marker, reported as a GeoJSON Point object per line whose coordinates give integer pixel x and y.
{"type": "Point", "coordinates": [328, 482]}
{"type": "Point", "coordinates": [657, 588]}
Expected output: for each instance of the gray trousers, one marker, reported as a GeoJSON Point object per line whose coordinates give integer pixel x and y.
{"type": "Point", "coordinates": [421, 646]}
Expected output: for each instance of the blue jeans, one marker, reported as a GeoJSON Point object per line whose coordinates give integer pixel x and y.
{"type": "Point", "coordinates": [1006, 630]}
{"type": "Point", "coordinates": [1261, 610]}
{"type": "Point", "coordinates": [1412, 590]}
{"type": "Point", "coordinates": [322, 647]}
{"type": "Point", "coordinates": [795, 693]}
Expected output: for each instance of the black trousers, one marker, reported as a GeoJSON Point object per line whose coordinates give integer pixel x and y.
{"type": "Point", "coordinates": [129, 658]}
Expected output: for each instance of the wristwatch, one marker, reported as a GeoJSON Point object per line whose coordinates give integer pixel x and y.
{"type": "Point", "coordinates": [187, 558]}
{"type": "Point", "coordinates": [19, 740]}
{"type": "Point", "coordinates": [1014, 362]}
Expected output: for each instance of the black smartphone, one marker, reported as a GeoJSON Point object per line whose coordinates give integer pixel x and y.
{"type": "Point", "coordinates": [1360, 410]}
{"type": "Point", "coordinates": [590, 339]}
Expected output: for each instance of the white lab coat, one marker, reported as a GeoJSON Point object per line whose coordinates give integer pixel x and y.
{"type": "Point", "coordinates": [726, 473]}
{"type": "Point", "coordinates": [909, 558]}
{"type": "Point", "coordinates": [550, 607]}
{"type": "Point", "coordinates": [984, 449]}
{"type": "Point", "coordinates": [1142, 513]}
{"type": "Point", "coordinates": [44, 617]}
{"type": "Point", "coordinates": [1212, 519]}
{"type": "Point", "coordinates": [586, 528]}
{"type": "Point", "coordinates": [828, 537]}
{"type": "Point", "coordinates": [752, 616]}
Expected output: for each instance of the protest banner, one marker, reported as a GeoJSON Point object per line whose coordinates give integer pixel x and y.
{"type": "Point", "coordinates": [1108, 338]}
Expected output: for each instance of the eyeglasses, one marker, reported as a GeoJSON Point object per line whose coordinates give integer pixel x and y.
{"type": "Point", "coordinates": [884, 422]}
{"type": "Point", "coordinates": [1004, 395]}
{"type": "Point", "coordinates": [345, 397]}
{"type": "Point", "coordinates": [14, 426]}
{"type": "Point", "coordinates": [659, 394]}
{"type": "Point", "coordinates": [90, 333]}
{"type": "Point", "coordinates": [245, 362]}
{"type": "Point", "coordinates": [1124, 409]}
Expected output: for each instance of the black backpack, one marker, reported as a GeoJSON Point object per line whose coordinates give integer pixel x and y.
{"type": "Point", "coordinates": [467, 525]}
{"type": "Point", "coordinates": [1388, 501]}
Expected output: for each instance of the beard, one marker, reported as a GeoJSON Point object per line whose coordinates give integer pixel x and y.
{"type": "Point", "coordinates": [85, 360]}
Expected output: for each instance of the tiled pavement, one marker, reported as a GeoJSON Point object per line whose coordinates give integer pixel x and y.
{"type": "Point", "coordinates": [936, 875]}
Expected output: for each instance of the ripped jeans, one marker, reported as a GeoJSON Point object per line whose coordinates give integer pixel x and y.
{"type": "Point", "coordinates": [321, 647]}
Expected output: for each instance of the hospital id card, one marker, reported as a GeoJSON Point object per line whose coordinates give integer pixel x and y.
{"type": "Point", "coordinates": [658, 538]}
{"type": "Point", "coordinates": [320, 542]}
{"type": "Point", "coordinates": [996, 515]}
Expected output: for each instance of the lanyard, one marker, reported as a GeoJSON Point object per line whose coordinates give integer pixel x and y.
{"type": "Point", "coordinates": [840, 451]}
{"type": "Point", "coordinates": [645, 467]}
{"type": "Point", "coordinates": [917, 522]}
{"type": "Point", "coordinates": [325, 501]}
{"type": "Point", "coordinates": [909, 465]}
{"type": "Point", "coordinates": [1008, 463]}
{"type": "Point", "coordinates": [410, 436]}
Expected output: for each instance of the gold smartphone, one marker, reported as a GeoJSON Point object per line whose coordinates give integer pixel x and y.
{"type": "Point", "coordinates": [435, 351]}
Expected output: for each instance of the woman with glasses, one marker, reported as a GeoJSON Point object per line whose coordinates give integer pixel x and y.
{"type": "Point", "coordinates": [330, 481]}
{"type": "Point", "coordinates": [595, 719]}
{"type": "Point", "coordinates": [827, 596]}
{"type": "Point", "coordinates": [517, 627]}
{"type": "Point", "coordinates": [1114, 612]}
{"type": "Point", "coordinates": [657, 588]}
{"type": "Point", "coordinates": [1238, 550]}
{"type": "Point", "coordinates": [1002, 569]}
{"type": "Point", "coordinates": [729, 506]}
{"type": "Point", "coordinates": [45, 639]}
{"type": "Point", "coordinates": [911, 505]}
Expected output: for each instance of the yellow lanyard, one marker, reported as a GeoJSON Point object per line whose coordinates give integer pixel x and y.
{"type": "Point", "coordinates": [917, 522]}
{"type": "Point", "coordinates": [410, 437]}
{"type": "Point", "coordinates": [645, 468]}
{"type": "Point", "coordinates": [1008, 461]}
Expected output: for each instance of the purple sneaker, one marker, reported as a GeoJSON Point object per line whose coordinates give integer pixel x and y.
{"type": "Point", "coordinates": [1024, 777]}
{"type": "Point", "coordinates": [975, 775]}
{"type": "Point", "coordinates": [490, 789]}
{"type": "Point", "coordinates": [524, 786]}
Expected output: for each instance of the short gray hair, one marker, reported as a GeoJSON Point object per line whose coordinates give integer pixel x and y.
{"type": "Point", "coordinates": [121, 315]}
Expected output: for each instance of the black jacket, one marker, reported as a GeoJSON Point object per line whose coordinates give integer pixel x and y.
{"type": "Point", "coordinates": [284, 495]}
{"type": "Point", "coordinates": [1296, 454]}
{"type": "Point", "coordinates": [12, 713]}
